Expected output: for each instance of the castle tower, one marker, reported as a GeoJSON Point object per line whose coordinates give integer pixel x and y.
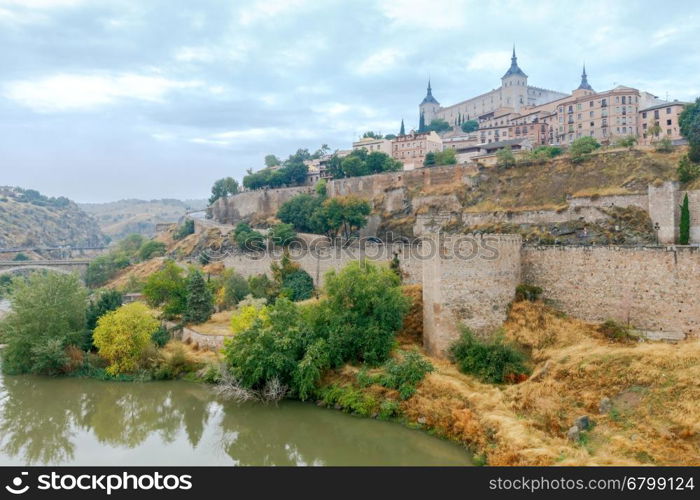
{"type": "Point", "coordinates": [427, 110]}
{"type": "Point", "coordinates": [584, 88]}
{"type": "Point", "coordinates": [514, 85]}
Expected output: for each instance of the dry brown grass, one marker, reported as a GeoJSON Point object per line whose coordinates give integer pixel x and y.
{"type": "Point", "coordinates": [218, 324]}
{"type": "Point", "coordinates": [139, 271]}
{"type": "Point", "coordinates": [412, 330]}
{"type": "Point", "coordinates": [654, 387]}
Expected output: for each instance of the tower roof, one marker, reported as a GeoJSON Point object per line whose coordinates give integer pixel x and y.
{"type": "Point", "coordinates": [429, 96]}
{"type": "Point", "coordinates": [514, 69]}
{"type": "Point", "coordinates": [584, 80]}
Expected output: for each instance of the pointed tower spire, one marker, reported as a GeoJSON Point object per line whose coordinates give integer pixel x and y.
{"type": "Point", "coordinates": [514, 68]}
{"type": "Point", "coordinates": [429, 96]}
{"type": "Point", "coordinates": [584, 80]}
{"type": "Point", "coordinates": [402, 131]}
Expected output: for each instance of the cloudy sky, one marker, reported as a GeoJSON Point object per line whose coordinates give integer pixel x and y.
{"type": "Point", "coordinates": [110, 99]}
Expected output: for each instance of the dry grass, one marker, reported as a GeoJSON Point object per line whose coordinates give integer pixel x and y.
{"type": "Point", "coordinates": [412, 330]}
{"type": "Point", "coordinates": [139, 272]}
{"type": "Point", "coordinates": [218, 324]}
{"type": "Point", "coordinates": [654, 388]}
{"type": "Point", "coordinates": [604, 191]}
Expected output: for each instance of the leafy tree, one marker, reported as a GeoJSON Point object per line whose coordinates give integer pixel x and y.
{"type": "Point", "coordinates": [122, 336]}
{"type": "Point", "coordinates": [247, 314]}
{"type": "Point", "coordinates": [282, 234]}
{"type": "Point", "coordinates": [390, 137]}
{"type": "Point", "coordinates": [235, 288]}
{"type": "Point", "coordinates": [151, 249]}
{"type": "Point", "coordinates": [429, 159]}
{"type": "Point", "coordinates": [342, 214]}
{"type": "Point", "coordinates": [687, 170]}
{"type": "Point", "coordinates": [131, 245]}
{"type": "Point", "coordinates": [321, 152]}
{"type": "Point", "coordinates": [20, 257]}
{"type": "Point", "coordinates": [299, 210]}
{"type": "Point", "coordinates": [470, 126]}
{"type": "Point", "coordinates": [200, 303]}
{"type": "Point", "coordinates": [105, 267]}
{"type": "Point", "coordinates": [291, 280]}
{"type": "Point", "coordinates": [684, 231]}
{"type": "Point", "coordinates": [262, 287]}
{"type": "Point", "coordinates": [446, 157]}
{"type": "Point", "coordinates": [223, 188]}
{"type": "Point", "coordinates": [47, 316]}
{"type": "Point", "coordinates": [582, 147]}
{"type": "Point", "coordinates": [505, 157]}
{"type": "Point", "coordinates": [320, 187]}
{"type": "Point", "coordinates": [272, 161]}
{"type": "Point", "coordinates": [363, 309]}
{"type": "Point", "coordinates": [247, 238]}
{"type": "Point", "coordinates": [438, 125]}
{"type": "Point", "coordinates": [353, 166]}
{"type": "Point", "coordinates": [654, 130]}
{"type": "Point", "coordinates": [167, 288]}
{"type": "Point", "coordinates": [161, 336]}
{"type": "Point", "coordinates": [372, 135]}
{"type": "Point", "coordinates": [689, 124]}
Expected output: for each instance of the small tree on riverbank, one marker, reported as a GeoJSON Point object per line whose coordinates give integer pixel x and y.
{"type": "Point", "coordinates": [684, 229]}
{"type": "Point", "coordinates": [200, 304]}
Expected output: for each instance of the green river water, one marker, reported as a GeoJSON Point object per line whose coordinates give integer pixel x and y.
{"type": "Point", "coordinates": [73, 421]}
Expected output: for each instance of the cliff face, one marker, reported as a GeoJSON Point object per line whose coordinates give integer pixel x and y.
{"type": "Point", "coordinates": [29, 219]}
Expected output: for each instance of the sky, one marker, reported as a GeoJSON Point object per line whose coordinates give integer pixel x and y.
{"type": "Point", "coordinates": [109, 99]}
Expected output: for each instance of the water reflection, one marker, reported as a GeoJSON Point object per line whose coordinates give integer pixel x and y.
{"type": "Point", "coordinates": [79, 421]}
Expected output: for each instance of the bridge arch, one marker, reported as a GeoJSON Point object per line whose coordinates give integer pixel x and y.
{"type": "Point", "coordinates": [55, 269]}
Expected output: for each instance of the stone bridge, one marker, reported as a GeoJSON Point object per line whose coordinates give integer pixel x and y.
{"type": "Point", "coordinates": [59, 266]}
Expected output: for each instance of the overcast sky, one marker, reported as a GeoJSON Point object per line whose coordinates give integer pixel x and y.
{"type": "Point", "coordinates": [109, 99]}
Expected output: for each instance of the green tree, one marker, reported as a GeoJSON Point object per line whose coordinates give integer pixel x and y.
{"type": "Point", "coordinates": [372, 135]}
{"type": "Point", "coordinates": [429, 159]}
{"type": "Point", "coordinates": [47, 316]}
{"type": "Point", "coordinates": [200, 303]}
{"type": "Point", "coordinates": [363, 309]}
{"type": "Point", "coordinates": [122, 336]}
{"type": "Point", "coordinates": [438, 125]}
{"type": "Point", "coordinates": [20, 257]}
{"type": "Point", "coordinates": [446, 157]}
{"type": "Point", "coordinates": [299, 211]}
{"type": "Point", "coordinates": [236, 288]}
{"type": "Point", "coordinates": [684, 230]}
{"type": "Point", "coordinates": [390, 137]}
{"type": "Point", "coordinates": [626, 142]}
{"type": "Point", "coordinates": [282, 234]}
{"type": "Point", "coordinates": [247, 238]}
{"type": "Point", "coordinates": [687, 170]}
{"type": "Point", "coordinates": [272, 161]}
{"type": "Point", "coordinates": [654, 130]}
{"type": "Point", "coordinates": [353, 166]}
{"type": "Point", "coordinates": [505, 157]}
{"type": "Point", "coordinates": [470, 126]}
{"type": "Point", "coordinates": [262, 287]}
{"type": "Point", "coordinates": [184, 230]}
{"type": "Point", "coordinates": [223, 188]}
{"type": "Point", "coordinates": [343, 214]}
{"type": "Point", "coordinates": [689, 124]}
{"type": "Point", "coordinates": [402, 130]}
{"type": "Point", "coordinates": [166, 288]}
{"type": "Point", "coordinates": [321, 187]}
{"type": "Point", "coordinates": [582, 147]}
{"type": "Point", "coordinates": [290, 280]}
{"type": "Point", "coordinates": [151, 249]}
{"type": "Point", "coordinates": [101, 304]}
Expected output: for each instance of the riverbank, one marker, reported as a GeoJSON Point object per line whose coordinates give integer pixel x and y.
{"type": "Point", "coordinates": [641, 399]}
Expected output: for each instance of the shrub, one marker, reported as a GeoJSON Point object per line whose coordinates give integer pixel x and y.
{"type": "Point", "coordinates": [626, 142]}
{"type": "Point", "coordinates": [247, 314]}
{"type": "Point", "coordinates": [687, 170]}
{"type": "Point", "coordinates": [20, 257]}
{"type": "Point", "coordinates": [282, 234]}
{"type": "Point", "coordinates": [262, 287]}
{"type": "Point", "coordinates": [298, 286]}
{"type": "Point", "coordinates": [105, 267]}
{"type": "Point", "coordinates": [161, 336]}
{"type": "Point", "coordinates": [122, 336]}
{"type": "Point", "coordinates": [299, 211]}
{"type": "Point", "coordinates": [493, 362]}
{"type": "Point", "coordinates": [363, 309]}
{"type": "Point", "coordinates": [235, 288]}
{"type": "Point", "coordinates": [106, 301]}
{"type": "Point", "coordinates": [527, 292]}
{"type": "Point", "coordinates": [151, 249]}
{"type": "Point", "coordinates": [664, 145]}
{"type": "Point", "coordinates": [48, 315]}
{"type": "Point", "coordinates": [505, 157]}
{"type": "Point", "coordinates": [184, 230]}
{"type": "Point", "coordinates": [582, 147]}
{"type": "Point", "coordinates": [406, 374]}
{"type": "Point", "coordinates": [616, 332]}
{"type": "Point", "coordinates": [248, 239]}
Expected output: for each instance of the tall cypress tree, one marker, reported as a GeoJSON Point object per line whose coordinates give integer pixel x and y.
{"type": "Point", "coordinates": [200, 304]}
{"type": "Point", "coordinates": [684, 230]}
{"type": "Point", "coordinates": [403, 129]}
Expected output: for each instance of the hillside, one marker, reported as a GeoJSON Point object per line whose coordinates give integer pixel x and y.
{"type": "Point", "coordinates": [118, 219]}
{"type": "Point", "coordinates": [29, 219]}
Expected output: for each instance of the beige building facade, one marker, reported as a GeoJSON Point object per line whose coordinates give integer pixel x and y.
{"type": "Point", "coordinates": [410, 149]}
{"type": "Point", "coordinates": [371, 145]}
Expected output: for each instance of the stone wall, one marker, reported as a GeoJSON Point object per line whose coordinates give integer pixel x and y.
{"type": "Point", "coordinates": [655, 289]}
{"type": "Point", "coordinates": [262, 203]}
{"type": "Point", "coordinates": [471, 280]}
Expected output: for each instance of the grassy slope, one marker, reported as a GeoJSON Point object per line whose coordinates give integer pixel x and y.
{"type": "Point", "coordinates": [654, 387]}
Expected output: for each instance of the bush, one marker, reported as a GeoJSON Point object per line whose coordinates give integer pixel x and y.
{"type": "Point", "coordinates": [47, 316]}
{"type": "Point", "coordinates": [184, 230]}
{"type": "Point", "coordinates": [161, 336]}
{"type": "Point", "coordinates": [527, 292]}
{"type": "Point", "coordinates": [581, 148]}
{"type": "Point", "coordinates": [299, 211]}
{"type": "Point", "coordinates": [249, 312]}
{"type": "Point", "coordinates": [494, 362]}
{"type": "Point", "coordinates": [664, 145]}
{"type": "Point", "coordinates": [363, 309]}
{"type": "Point", "coordinates": [248, 239]}
{"type": "Point", "coordinates": [151, 249]}
{"type": "Point", "coordinates": [626, 142]}
{"type": "Point", "coordinates": [262, 287]}
{"type": "Point", "coordinates": [282, 234]}
{"type": "Point", "coordinates": [106, 301]}
{"type": "Point", "coordinates": [616, 332]}
{"type": "Point", "coordinates": [405, 375]}
{"type": "Point", "coordinates": [687, 170]}
{"type": "Point", "coordinates": [505, 157]}
{"type": "Point", "coordinates": [20, 257]}
{"type": "Point", "coordinates": [122, 336]}
{"type": "Point", "coordinates": [297, 286]}
{"type": "Point", "coordinates": [235, 289]}
{"type": "Point", "coordinates": [105, 267]}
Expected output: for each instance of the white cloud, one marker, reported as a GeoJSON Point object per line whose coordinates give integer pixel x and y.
{"type": "Point", "coordinates": [255, 134]}
{"type": "Point", "coordinates": [266, 10]}
{"type": "Point", "coordinates": [195, 54]}
{"type": "Point", "coordinates": [65, 92]}
{"type": "Point", "coordinates": [489, 61]}
{"type": "Point", "coordinates": [379, 62]}
{"type": "Point", "coordinates": [424, 14]}
{"type": "Point", "coordinates": [41, 4]}
{"type": "Point", "coordinates": [331, 108]}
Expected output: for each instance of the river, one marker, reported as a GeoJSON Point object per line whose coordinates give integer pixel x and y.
{"type": "Point", "coordinates": [72, 421]}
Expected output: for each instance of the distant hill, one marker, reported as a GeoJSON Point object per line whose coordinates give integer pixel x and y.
{"type": "Point", "coordinates": [30, 219]}
{"type": "Point", "coordinates": [118, 219]}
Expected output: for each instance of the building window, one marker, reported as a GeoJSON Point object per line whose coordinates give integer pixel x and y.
{"type": "Point", "coordinates": [668, 111]}
{"type": "Point", "coordinates": [656, 114]}
{"type": "Point", "coordinates": [668, 122]}
{"type": "Point", "coordinates": [668, 131]}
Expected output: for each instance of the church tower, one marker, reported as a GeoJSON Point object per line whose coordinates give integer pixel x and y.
{"type": "Point", "coordinates": [584, 88]}
{"type": "Point", "coordinates": [514, 86]}
{"type": "Point", "coordinates": [427, 110]}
